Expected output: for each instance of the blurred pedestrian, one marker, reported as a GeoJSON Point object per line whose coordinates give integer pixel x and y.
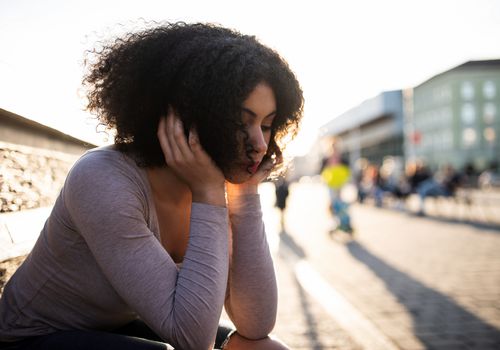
{"type": "Point", "coordinates": [379, 186]}
{"type": "Point", "coordinates": [417, 172]}
{"type": "Point", "coordinates": [282, 192]}
{"type": "Point", "coordinates": [443, 184]}
{"type": "Point", "coordinates": [490, 177]}
{"type": "Point", "coordinates": [336, 173]}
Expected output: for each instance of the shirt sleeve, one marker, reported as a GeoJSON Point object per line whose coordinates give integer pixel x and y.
{"type": "Point", "coordinates": [251, 300]}
{"type": "Point", "coordinates": [183, 307]}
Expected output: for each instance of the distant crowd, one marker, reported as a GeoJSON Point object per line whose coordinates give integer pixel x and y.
{"type": "Point", "coordinates": [387, 180]}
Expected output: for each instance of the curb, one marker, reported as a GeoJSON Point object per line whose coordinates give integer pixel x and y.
{"type": "Point", "coordinates": [363, 331]}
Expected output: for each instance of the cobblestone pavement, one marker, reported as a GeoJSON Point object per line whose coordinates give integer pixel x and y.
{"type": "Point", "coordinates": [424, 283]}
{"type": "Point", "coordinates": [302, 322]}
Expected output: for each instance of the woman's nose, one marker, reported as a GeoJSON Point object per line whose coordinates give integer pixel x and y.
{"type": "Point", "coordinates": [259, 143]}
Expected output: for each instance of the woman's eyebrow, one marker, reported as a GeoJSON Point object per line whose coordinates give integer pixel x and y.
{"type": "Point", "coordinates": [252, 113]}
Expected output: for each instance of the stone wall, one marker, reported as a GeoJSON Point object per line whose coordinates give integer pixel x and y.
{"type": "Point", "coordinates": [31, 177]}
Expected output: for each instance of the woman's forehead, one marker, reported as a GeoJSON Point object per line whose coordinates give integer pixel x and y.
{"type": "Point", "coordinates": [261, 102]}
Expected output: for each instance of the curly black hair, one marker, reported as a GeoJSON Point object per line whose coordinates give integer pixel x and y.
{"type": "Point", "coordinates": [204, 72]}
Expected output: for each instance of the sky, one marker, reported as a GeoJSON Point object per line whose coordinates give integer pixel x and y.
{"type": "Point", "coordinates": [343, 52]}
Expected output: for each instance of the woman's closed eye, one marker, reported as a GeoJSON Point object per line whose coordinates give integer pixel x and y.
{"type": "Point", "coordinates": [266, 128]}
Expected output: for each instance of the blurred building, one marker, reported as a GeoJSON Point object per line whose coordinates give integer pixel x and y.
{"type": "Point", "coordinates": [372, 130]}
{"type": "Point", "coordinates": [453, 118]}
{"type": "Point", "coordinates": [308, 165]}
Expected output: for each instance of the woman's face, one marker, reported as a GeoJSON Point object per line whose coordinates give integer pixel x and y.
{"type": "Point", "coordinates": [257, 113]}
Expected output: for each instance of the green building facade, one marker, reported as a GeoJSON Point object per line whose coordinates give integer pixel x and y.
{"type": "Point", "coordinates": [454, 117]}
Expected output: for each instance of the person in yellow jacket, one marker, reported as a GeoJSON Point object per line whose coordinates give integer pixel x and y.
{"type": "Point", "coordinates": [335, 173]}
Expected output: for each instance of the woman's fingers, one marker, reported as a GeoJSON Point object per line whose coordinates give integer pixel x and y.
{"type": "Point", "coordinates": [186, 157]}
{"type": "Point", "coordinates": [197, 149]}
{"type": "Point", "coordinates": [180, 139]}
{"type": "Point", "coordinates": [194, 142]}
{"type": "Point", "coordinates": [170, 130]}
{"type": "Point", "coordinates": [266, 167]}
{"type": "Point", "coordinates": [172, 140]}
{"type": "Point", "coordinates": [162, 137]}
{"type": "Point", "coordinates": [181, 151]}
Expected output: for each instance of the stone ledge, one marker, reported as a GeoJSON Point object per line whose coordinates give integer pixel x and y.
{"type": "Point", "coordinates": [30, 177]}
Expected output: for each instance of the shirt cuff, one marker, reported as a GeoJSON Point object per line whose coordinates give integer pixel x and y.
{"type": "Point", "coordinates": [208, 212]}
{"type": "Point", "coordinates": [244, 204]}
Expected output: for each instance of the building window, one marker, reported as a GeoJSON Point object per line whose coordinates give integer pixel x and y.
{"type": "Point", "coordinates": [469, 137]}
{"type": "Point", "coordinates": [489, 134]}
{"type": "Point", "coordinates": [433, 119]}
{"type": "Point", "coordinates": [442, 94]}
{"type": "Point", "coordinates": [489, 112]}
{"type": "Point", "coordinates": [468, 114]}
{"type": "Point", "coordinates": [436, 141]}
{"type": "Point", "coordinates": [446, 115]}
{"type": "Point", "coordinates": [489, 89]}
{"type": "Point", "coordinates": [467, 90]}
{"type": "Point", "coordinates": [448, 139]}
{"type": "Point", "coordinates": [447, 93]}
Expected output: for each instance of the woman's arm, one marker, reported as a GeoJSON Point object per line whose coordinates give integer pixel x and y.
{"type": "Point", "coordinates": [107, 208]}
{"type": "Point", "coordinates": [251, 299]}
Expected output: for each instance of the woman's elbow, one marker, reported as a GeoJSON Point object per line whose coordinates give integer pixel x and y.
{"type": "Point", "coordinates": [195, 339]}
{"type": "Point", "coordinates": [258, 331]}
{"type": "Point", "coordinates": [194, 344]}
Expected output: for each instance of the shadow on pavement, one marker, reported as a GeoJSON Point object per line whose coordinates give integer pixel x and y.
{"type": "Point", "coordinates": [495, 228]}
{"type": "Point", "coordinates": [312, 331]}
{"type": "Point", "coordinates": [290, 243]}
{"type": "Point", "coordinates": [438, 321]}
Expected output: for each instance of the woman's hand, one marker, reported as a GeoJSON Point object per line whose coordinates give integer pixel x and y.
{"type": "Point", "coordinates": [252, 184]}
{"type": "Point", "coordinates": [190, 162]}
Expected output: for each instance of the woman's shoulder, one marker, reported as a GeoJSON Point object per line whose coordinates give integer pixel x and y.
{"type": "Point", "coordinates": [105, 163]}
{"type": "Point", "coordinates": [105, 158]}
{"type": "Point", "coordinates": [108, 152]}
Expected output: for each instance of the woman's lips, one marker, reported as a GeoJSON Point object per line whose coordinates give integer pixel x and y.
{"type": "Point", "coordinates": [253, 167]}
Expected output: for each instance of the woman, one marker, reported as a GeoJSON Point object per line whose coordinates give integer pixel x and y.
{"type": "Point", "coordinates": [151, 237]}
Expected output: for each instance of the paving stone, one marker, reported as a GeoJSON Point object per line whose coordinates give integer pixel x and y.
{"type": "Point", "coordinates": [302, 323]}
{"type": "Point", "coordinates": [410, 344]}
{"type": "Point", "coordinates": [422, 272]}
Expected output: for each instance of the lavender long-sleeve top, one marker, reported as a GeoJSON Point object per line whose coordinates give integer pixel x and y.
{"type": "Point", "coordinates": [99, 264]}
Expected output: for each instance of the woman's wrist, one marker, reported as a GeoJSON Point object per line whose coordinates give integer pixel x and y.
{"type": "Point", "coordinates": [213, 196]}
{"type": "Point", "coordinates": [241, 189]}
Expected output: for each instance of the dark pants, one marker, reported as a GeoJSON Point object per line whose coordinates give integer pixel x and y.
{"type": "Point", "coordinates": [134, 336]}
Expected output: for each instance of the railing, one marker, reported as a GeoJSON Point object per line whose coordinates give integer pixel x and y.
{"type": "Point", "coordinates": [471, 205]}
